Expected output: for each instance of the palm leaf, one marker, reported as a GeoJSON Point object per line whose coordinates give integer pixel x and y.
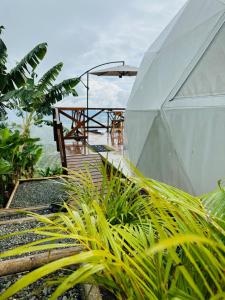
{"type": "Point", "coordinates": [214, 202]}
{"type": "Point", "coordinates": [46, 80]}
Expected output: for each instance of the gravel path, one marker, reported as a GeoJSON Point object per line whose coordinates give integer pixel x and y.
{"type": "Point", "coordinates": [39, 290]}
{"type": "Point", "coordinates": [33, 194]}
{"type": "Point", "coordinates": [39, 193]}
{"type": "Point", "coordinates": [15, 241]}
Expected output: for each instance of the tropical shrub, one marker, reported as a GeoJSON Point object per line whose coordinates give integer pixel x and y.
{"type": "Point", "coordinates": [48, 171]}
{"type": "Point", "coordinates": [141, 239]}
{"type": "Point", "coordinates": [19, 154]}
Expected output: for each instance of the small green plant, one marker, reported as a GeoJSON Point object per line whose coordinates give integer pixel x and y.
{"type": "Point", "coordinates": [141, 239]}
{"type": "Point", "coordinates": [48, 172]}
{"type": "Point", "coordinates": [19, 155]}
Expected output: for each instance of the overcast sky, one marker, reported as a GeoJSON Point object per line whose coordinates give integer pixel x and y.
{"type": "Point", "coordinates": [84, 33]}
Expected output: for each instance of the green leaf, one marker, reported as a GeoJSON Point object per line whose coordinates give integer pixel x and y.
{"type": "Point", "coordinates": [49, 77]}
{"type": "Point", "coordinates": [17, 75]}
{"type": "Point", "coordinates": [5, 167]}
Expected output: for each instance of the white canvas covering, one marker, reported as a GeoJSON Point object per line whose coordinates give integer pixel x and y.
{"type": "Point", "coordinates": [175, 120]}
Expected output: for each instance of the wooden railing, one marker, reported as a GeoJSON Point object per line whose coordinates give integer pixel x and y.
{"type": "Point", "coordinates": [79, 120]}
{"type": "Point", "coordinates": [59, 139]}
{"type": "Point", "coordinates": [93, 120]}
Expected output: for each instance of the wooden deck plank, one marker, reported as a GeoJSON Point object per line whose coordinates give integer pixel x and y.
{"type": "Point", "coordinates": [86, 163]}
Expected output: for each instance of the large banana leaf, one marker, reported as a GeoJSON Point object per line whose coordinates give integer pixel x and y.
{"type": "Point", "coordinates": [39, 97]}
{"type": "Point", "coordinates": [57, 92]}
{"type": "Point", "coordinates": [17, 76]}
{"type": "Point", "coordinates": [3, 76]}
{"type": "Point", "coordinates": [3, 53]}
{"type": "Point", "coordinates": [49, 77]}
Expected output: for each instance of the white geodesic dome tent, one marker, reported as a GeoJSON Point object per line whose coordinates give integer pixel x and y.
{"type": "Point", "coordinates": [175, 120]}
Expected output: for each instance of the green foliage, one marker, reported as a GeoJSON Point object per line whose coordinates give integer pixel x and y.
{"type": "Point", "coordinates": [141, 239]}
{"type": "Point", "coordinates": [18, 75]}
{"type": "Point", "coordinates": [34, 100]}
{"type": "Point", "coordinates": [47, 172]}
{"type": "Point", "coordinates": [39, 96]}
{"type": "Point", "coordinates": [18, 154]}
{"type": "Point", "coordinates": [214, 202]}
{"type": "Point", "coordinates": [11, 80]}
{"type": "Point", "coordinates": [21, 90]}
{"type": "Point", "coordinates": [5, 167]}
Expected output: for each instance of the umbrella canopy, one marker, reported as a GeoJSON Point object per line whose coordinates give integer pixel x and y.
{"type": "Point", "coordinates": [120, 71]}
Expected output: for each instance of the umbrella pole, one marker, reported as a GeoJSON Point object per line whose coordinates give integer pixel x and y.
{"type": "Point", "coordinates": [87, 103]}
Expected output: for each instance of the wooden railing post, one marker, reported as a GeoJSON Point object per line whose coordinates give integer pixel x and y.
{"type": "Point", "coordinates": [61, 145]}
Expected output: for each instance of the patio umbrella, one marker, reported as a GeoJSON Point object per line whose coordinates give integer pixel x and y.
{"type": "Point", "coordinates": [120, 71]}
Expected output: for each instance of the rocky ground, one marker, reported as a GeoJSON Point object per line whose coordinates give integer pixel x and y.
{"type": "Point", "coordinates": [40, 290]}
{"type": "Point", "coordinates": [39, 193]}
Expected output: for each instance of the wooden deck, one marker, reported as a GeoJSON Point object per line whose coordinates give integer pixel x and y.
{"type": "Point", "coordinates": [90, 163]}
{"type": "Point", "coordinates": [77, 149]}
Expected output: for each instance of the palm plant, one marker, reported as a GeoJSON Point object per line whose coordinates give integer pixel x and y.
{"type": "Point", "coordinates": [214, 202]}
{"type": "Point", "coordinates": [17, 77]}
{"type": "Point", "coordinates": [141, 239]}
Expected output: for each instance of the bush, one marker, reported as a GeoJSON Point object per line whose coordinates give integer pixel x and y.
{"type": "Point", "coordinates": [48, 172]}
{"type": "Point", "coordinates": [19, 155]}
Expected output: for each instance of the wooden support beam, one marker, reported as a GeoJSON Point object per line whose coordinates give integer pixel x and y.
{"type": "Point", "coordinates": [67, 115]}
{"type": "Point", "coordinates": [91, 119]}
{"type": "Point", "coordinates": [61, 146]}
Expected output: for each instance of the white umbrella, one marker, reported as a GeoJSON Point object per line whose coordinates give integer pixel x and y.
{"type": "Point", "coordinates": [120, 71]}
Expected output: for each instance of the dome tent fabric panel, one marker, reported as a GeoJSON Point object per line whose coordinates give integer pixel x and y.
{"type": "Point", "coordinates": [179, 49]}
{"type": "Point", "coordinates": [208, 77]}
{"type": "Point", "coordinates": [149, 57]}
{"type": "Point", "coordinates": [159, 159]}
{"type": "Point", "coordinates": [139, 124]}
{"type": "Point", "coordinates": [165, 151]}
{"type": "Point", "coordinates": [196, 134]}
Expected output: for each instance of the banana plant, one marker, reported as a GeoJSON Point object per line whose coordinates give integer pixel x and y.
{"type": "Point", "coordinates": [34, 100]}
{"type": "Point", "coordinates": [15, 78]}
